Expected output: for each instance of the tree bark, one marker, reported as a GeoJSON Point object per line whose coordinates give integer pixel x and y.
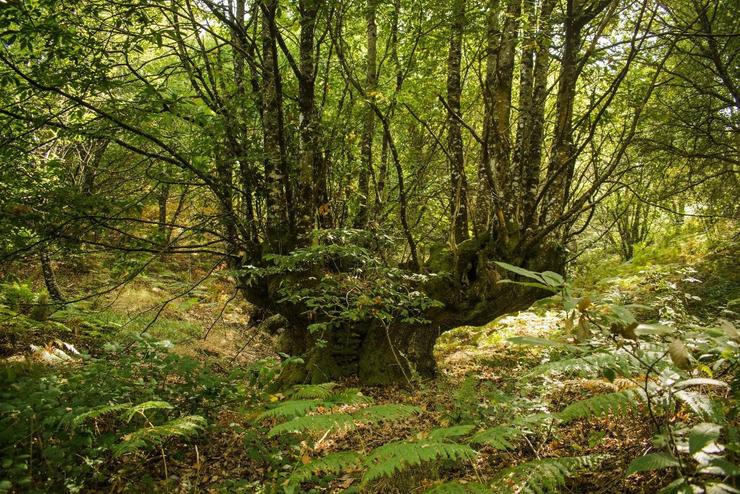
{"type": "Point", "coordinates": [368, 127]}
{"type": "Point", "coordinates": [532, 132]}
{"type": "Point", "coordinates": [278, 203]}
{"type": "Point", "coordinates": [309, 166]}
{"type": "Point", "coordinates": [50, 279]}
{"type": "Point", "coordinates": [459, 186]}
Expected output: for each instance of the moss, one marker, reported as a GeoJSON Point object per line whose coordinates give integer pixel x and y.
{"type": "Point", "coordinates": [321, 366]}
{"type": "Point", "coordinates": [378, 365]}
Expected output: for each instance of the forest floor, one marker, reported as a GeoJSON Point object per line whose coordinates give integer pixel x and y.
{"type": "Point", "coordinates": [481, 380]}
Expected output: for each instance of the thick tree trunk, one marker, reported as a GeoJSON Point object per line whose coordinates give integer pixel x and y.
{"type": "Point", "coordinates": [459, 186]}
{"type": "Point", "coordinates": [277, 197]}
{"type": "Point", "coordinates": [495, 199]}
{"type": "Point", "coordinates": [530, 153]}
{"type": "Point", "coordinates": [368, 128]}
{"type": "Point", "coordinates": [308, 126]}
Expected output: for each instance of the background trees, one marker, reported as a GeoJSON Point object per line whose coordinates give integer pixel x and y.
{"type": "Point", "coordinates": [468, 133]}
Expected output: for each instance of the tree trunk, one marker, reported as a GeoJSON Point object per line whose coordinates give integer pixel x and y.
{"type": "Point", "coordinates": [459, 186]}
{"type": "Point", "coordinates": [162, 228]}
{"type": "Point", "coordinates": [368, 128]}
{"type": "Point", "coordinates": [530, 152]}
{"type": "Point", "coordinates": [308, 201]}
{"type": "Point", "coordinates": [278, 201]}
{"type": "Point", "coordinates": [49, 278]}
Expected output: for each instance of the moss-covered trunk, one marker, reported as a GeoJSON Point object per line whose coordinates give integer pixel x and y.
{"type": "Point", "coordinates": [376, 354]}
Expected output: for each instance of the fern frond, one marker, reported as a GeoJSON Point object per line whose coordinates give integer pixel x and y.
{"type": "Point", "coordinates": [96, 412]}
{"type": "Point", "coordinates": [603, 404]}
{"type": "Point", "coordinates": [143, 407]}
{"type": "Point", "coordinates": [313, 423]}
{"type": "Point", "coordinates": [698, 403]}
{"type": "Point", "coordinates": [546, 475]}
{"type": "Point", "coordinates": [533, 420]}
{"type": "Point", "coordinates": [291, 408]}
{"type": "Point", "coordinates": [387, 412]}
{"type": "Point", "coordinates": [333, 463]}
{"type": "Point", "coordinates": [349, 396]}
{"type": "Point", "coordinates": [589, 365]}
{"type": "Point", "coordinates": [499, 437]}
{"type": "Point", "coordinates": [397, 456]}
{"type": "Point", "coordinates": [457, 487]}
{"type": "Point", "coordinates": [313, 391]}
{"type": "Point", "coordinates": [154, 436]}
{"type": "Point", "coordinates": [449, 432]}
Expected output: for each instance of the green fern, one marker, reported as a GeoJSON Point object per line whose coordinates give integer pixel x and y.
{"type": "Point", "coordinates": [313, 423]}
{"type": "Point", "coordinates": [307, 398]}
{"type": "Point", "coordinates": [499, 437]}
{"type": "Point", "coordinates": [324, 422]}
{"type": "Point", "coordinates": [154, 436]}
{"type": "Point", "coordinates": [291, 408]}
{"type": "Point", "coordinates": [545, 475]}
{"type": "Point", "coordinates": [603, 404]}
{"type": "Point", "coordinates": [333, 463]}
{"type": "Point", "coordinates": [349, 396]}
{"type": "Point", "coordinates": [397, 456]}
{"type": "Point", "coordinates": [96, 412]}
{"type": "Point", "coordinates": [383, 413]}
{"type": "Point", "coordinates": [589, 365]}
{"type": "Point", "coordinates": [313, 391]}
{"type": "Point", "coordinates": [450, 432]}
{"type": "Point", "coordinates": [143, 407]}
{"type": "Point", "coordinates": [458, 487]}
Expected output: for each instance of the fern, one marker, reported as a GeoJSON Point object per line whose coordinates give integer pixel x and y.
{"type": "Point", "coordinates": [589, 365]}
{"type": "Point", "coordinates": [383, 413]}
{"type": "Point", "coordinates": [546, 475]}
{"type": "Point", "coordinates": [96, 412]}
{"type": "Point", "coordinates": [291, 408]}
{"type": "Point", "coordinates": [499, 437]}
{"type": "Point", "coordinates": [603, 404]}
{"type": "Point", "coordinates": [457, 487]}
{"type": "Point", "coordinates": [698, 403]}
{"type": "Point", "coordinates": [143, 407]}
{"type": "Point", "coordinates": [349, 396]}
{"type": "Point", "coordinates": [333, 463]}
{"type": "Point", "coordinates": [154, 436]}
{"type": "Point", "coordinates": [313, 423]}
{"type": "Point", "coordinates": [397, 456]}
{"type": "Point", "coordinates": [317, 423]}
{"type": "Point", "coordinates": [313, 391]}
{"type": "Point", "coordinates": [450, 432]}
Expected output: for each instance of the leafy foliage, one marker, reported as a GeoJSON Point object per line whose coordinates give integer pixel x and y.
{"type": "Point", "coordinates": [456, 487]}
{"type": "Point", "coordinates": [332, 463]}
{"type": "Point", "coordinates": [546, 475]}
{"type": "Point", "coordinates": [147, 437]}
{"type": "Point", "coordinates": [394, 457]}
{"type": "Point", "coordinates": [603, 404]}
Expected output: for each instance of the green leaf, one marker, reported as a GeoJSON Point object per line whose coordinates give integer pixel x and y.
{"type": "Point", "coordinates": [521, 271]}
{"type": "Point", "coordinates": [530, 284]}
{"type": "Point", "coordinates": [653, 329]}
{"type": "Point", "coordinates": [701, 435]}
{"type": "Point", "coordinates": [449, 432]}
{"type": "Point", "coordinates": [652, 461]}
{"type": "Point", "coordinates": [552, 278]}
